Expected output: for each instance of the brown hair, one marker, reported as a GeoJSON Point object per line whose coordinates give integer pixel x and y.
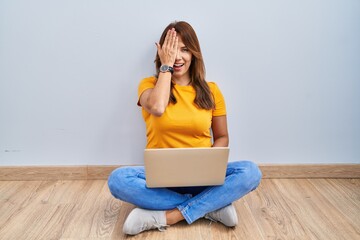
{"type": "Point", "coordinates": [204, 98]}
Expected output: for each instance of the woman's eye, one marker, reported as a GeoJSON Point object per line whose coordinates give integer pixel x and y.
{"type": "Point", "coordinates": [185, 50]}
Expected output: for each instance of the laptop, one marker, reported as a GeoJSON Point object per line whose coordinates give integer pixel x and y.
{"type": "Point", "coordinates": [185, 167]}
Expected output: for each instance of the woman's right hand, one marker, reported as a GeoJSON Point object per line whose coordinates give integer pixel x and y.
{"type": "Point", "coordinates": [168, 51]}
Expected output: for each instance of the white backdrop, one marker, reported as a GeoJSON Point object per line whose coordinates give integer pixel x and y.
{"type": "Point", "coordinates": [69, 70]}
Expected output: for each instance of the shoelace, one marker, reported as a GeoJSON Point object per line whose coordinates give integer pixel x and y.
{"type": "Point", "coordinates": [159, 226]}
{"type": "Point", "coordinates": [210, 218]}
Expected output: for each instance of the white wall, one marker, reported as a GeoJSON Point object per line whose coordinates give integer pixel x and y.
{"type": "Point", "coordinates": [69, 70]}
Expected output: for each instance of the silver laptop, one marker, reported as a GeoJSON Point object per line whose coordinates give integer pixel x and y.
{"type": "Point", "coordinates": [185, 167]}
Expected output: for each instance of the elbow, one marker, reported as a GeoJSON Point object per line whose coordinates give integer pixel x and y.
{"type": "Point", "coordinates": [157, 111]}
{"type": "Point", "coordinates": [155, 108]}
{"type": "Point", "coordinates": [157, 114]}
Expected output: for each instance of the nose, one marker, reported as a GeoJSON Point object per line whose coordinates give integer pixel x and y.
{"type": "Point", "coordinates": [178, 55]}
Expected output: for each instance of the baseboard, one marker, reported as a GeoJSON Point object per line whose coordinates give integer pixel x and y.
{"type": "Point", "coordinates": [90, 172]}
{"type": "Point", "coordinates": [310, 170]}
{"type": "Point", "coordinates": [39, 173]}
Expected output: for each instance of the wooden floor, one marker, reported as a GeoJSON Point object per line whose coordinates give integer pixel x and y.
{"type": "Point", "coordinates": [278, 209]}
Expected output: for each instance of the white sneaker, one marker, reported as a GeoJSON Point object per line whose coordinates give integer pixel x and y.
{"type": "Point", "coordinates": [226, 215]}
{"type": "Point", "coordinates": [140, 220]}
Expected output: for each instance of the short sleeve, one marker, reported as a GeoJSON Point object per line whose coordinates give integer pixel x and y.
{"type": "Point", "coordinates": [220, 106]}
{"type": "Point", "coordinates": [145, 84]}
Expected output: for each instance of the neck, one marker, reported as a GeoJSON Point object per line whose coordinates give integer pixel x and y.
{"type": "Point", "coordinates": [182, 81]}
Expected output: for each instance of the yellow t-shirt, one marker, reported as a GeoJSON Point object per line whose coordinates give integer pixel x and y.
{"type": "Point", "coordinates": [182, 124]}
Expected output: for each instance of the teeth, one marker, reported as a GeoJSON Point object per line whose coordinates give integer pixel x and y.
{"type": "Point", "coordinates": [178, 65]}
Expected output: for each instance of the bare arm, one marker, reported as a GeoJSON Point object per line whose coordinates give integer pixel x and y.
{"type": "Point", "coordinates": [156, 100]}
{"type": "Point", "coordinates": [220, 131]}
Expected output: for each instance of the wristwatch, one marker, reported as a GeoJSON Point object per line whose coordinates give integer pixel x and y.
{"type": "Point", "coordinates": [166, 68]}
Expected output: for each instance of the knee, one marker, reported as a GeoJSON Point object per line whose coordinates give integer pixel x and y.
{"type": "Point", "coordinates": [117, 180]}
{"type": "Point", "coordinates": [250, 174]}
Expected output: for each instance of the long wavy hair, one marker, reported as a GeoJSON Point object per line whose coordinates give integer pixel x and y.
{"type": "Point", "coordinates": [204, 98]}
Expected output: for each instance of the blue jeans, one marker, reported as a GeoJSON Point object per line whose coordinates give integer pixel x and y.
{"type": "Point", "coordinates": [128, 184]}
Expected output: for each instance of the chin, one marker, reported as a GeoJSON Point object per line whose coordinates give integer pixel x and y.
{"type": "Point", "coordinates": [177, 74]}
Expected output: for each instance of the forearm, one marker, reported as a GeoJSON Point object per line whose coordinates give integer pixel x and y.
{"type": "Point", "coordinates": [159, 97]}
{"type": "Point", "coordinates": [220, 132]}
{"type": "Point", "coordinates": [221, 142]}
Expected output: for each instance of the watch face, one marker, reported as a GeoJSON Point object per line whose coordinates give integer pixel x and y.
{"type": "Point", "coordinates": [164, 68]}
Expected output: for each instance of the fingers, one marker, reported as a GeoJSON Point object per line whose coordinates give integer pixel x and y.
{"type": "Point", "coordinates": [172, 38]}
{"type": "Point", "coordinates": [167, 37]}
{"type": "Point", "coordinates": [176, 44]}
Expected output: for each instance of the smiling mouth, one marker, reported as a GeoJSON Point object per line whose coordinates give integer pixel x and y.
{"type": "Point", "coordinates": [178, 65]}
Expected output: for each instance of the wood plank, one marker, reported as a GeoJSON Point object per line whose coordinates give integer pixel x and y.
{"type": "Point", "coordinates": [13, 199]}
{"type": "Point", "coordinates": [107, 214]}
{"type": "Point", "coordinates": [273, 217]}
{"type": "Point", "coordinates": [349, 187]}
{"type": "Point", "coordinates": [54, 220]}
{"type": "Point", "coordinates": [318, 216]}
{"type": "Point", "coordinates": [28, 215]}
{"type": "Point", "coordinates": [247, 227]}
{"type": "Point", "coordinates": [97, 215]}
{"type": "Point", "coordinates": [54, 201]}
{"type": "Point", "coordinates": [66, 199]}
{"type": "Point", "coordinates": [340, 200]}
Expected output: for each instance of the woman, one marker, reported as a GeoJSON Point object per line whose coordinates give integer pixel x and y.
{"type": "Point", "coordinates": [180, 109]}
